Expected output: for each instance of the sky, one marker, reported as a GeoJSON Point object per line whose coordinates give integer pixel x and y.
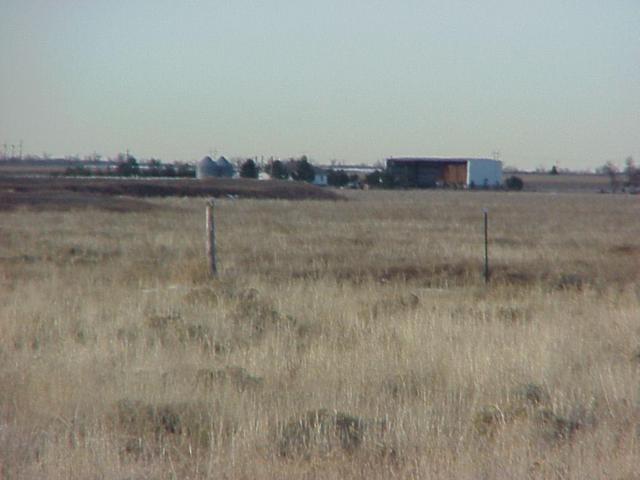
{"type": "Point", "coordinates": [545, 82]}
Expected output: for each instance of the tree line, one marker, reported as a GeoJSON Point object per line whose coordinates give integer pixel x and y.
{"type": "Point", "coordinates": [301, 169]}
{"type": "Point", "coordinates": [128, 166]}
{"type": "Point", "coordinates": [621, 180]}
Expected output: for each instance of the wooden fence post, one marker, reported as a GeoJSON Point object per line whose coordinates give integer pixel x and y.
{"type": "Point", "coordinates": [211, 239]}
{"type": "Point", "coordinates": [486, 245]}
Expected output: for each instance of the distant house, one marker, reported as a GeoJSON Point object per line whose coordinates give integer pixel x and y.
{"type": "Point", "coordinates": [208, 168]}
{"type": "Point", "coordinates": [429, 172]}
{"type": "Point", "coordinates": [321, 177]}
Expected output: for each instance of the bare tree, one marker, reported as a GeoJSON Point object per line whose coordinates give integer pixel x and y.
{"type": "Point", "coordinates": [632, 172]}
{"type": "Point", "coordinates": [611, 170]}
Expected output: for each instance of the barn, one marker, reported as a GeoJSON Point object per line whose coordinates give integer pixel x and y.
{"type": "Point", "coordinates": [430, 172]}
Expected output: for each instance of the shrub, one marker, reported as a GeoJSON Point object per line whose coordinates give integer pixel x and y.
{"type": "Point", "coordinates": [187, 424]}
{"type": "Point", "coordinates": [337, 178]}
{"type": "Point", "coordinates": [168, 170]}
{"type": "Point", "coordinates": [235, 376]}
{"type": "Point", "coordinates": [514, 183]}
{"type": "Point", "coordinates": [531, 394]}
{"type": "Point", "coordinates": [321, 429]}
{"type": "Point", "coordinates": [186, 170]}
{"type": "Point", "coordinates": [77, 171]}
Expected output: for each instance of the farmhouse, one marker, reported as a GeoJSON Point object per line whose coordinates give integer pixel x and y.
{"type": "Point", "coordinates": [429, 172]}
{"type": "Point", "coordinates": [320, 177]}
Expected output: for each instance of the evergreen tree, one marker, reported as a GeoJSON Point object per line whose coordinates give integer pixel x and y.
{"type": "Point", "coordinates": [304, 171]}
{"type": "Point", "coordinates": [337, 178]}
{"type": "Point", "coordinates": [278, 170]}
{"type": "Point", "coordinates": [374, 179]}
{"type": "Point", "coordinates": [249, 169]}
{"type": "Point", "coordinates": [127, 167]}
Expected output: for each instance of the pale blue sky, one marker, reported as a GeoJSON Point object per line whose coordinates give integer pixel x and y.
{"type": "Point", "coordinates": [544, 82]}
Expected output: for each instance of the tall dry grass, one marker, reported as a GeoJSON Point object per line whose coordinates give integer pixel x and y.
{"type": "Point", "coordinates": [342, 340]}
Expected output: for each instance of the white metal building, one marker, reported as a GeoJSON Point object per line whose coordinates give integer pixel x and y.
{"type": "Point", "coordinates": [484, 172]}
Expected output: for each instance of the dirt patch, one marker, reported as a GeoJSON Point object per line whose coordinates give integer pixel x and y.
{"type": "Point", "coordinates": [625, 249]}
{"type": "Point", "coordinates": [512, 242]}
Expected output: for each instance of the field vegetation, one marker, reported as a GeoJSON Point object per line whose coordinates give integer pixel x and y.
{"type": "Point", "coordinates": [63, 193]}
{"type": "Point", "coordinates": [342, 339]}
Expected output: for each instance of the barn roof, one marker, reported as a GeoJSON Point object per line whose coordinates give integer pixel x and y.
{"type": "Point", "coordinates": [433, 159]}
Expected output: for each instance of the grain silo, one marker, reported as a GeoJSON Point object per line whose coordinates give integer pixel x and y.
{"type": "Point", "coordinates": [224, 168]}
{"type": "Point", "coordinates": [206, 168]}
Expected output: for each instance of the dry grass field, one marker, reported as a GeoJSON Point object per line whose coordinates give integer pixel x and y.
{"type": "Point", "coordinates": [565, 182]}
{"type": "Point", "coordinates": [342, 339]}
